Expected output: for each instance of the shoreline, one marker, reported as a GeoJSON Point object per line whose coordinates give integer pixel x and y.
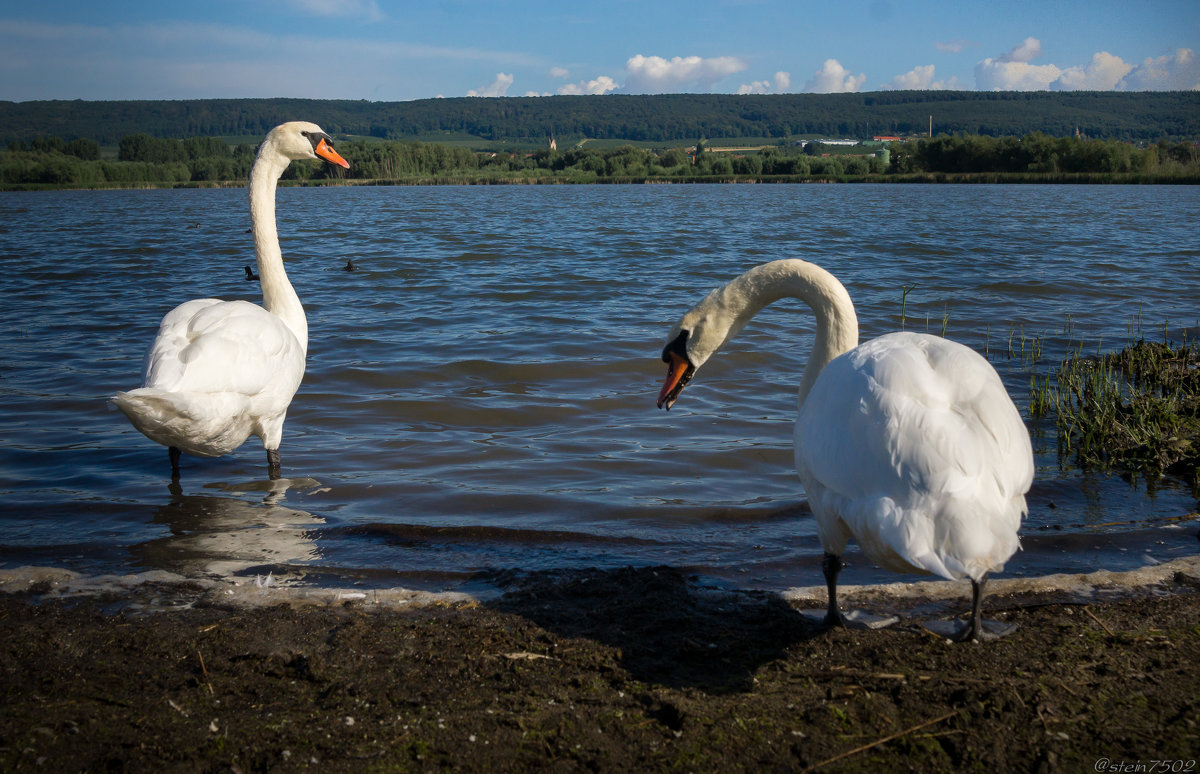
{"type": "Point", "coordinates": [161, 590]}
{"type": "Point", "coordinates": [634, 669]}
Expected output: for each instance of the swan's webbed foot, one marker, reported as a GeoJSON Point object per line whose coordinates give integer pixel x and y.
{"type": "Point", "coordinates": [860, 619]}
{"type": "Point", "coordinates": [834, 619]}
{"type": "Point", "coordinates": [974, 628]}
{"type": "Point", "coordinates": [959, 630]}
{"type": "Point", "coordinates": [274, 469]}
{"type": "Point", "coordinates": [855, 619]}
{"type": "Point", "coordinates": [831, 565]}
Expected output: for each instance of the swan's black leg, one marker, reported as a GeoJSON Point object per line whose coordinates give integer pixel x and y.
{"type": "Point", "coordinates": [274, 470]}
{"type": "Point", "coordinates": [974, 631]}
{"type": "Point", "coordinates": [174, 454]}
{"type": "Point", "coordinates": [831, 565]}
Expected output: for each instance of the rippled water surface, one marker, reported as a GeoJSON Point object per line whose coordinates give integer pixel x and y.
{"type": "Point", "coordinates": [480, 391]}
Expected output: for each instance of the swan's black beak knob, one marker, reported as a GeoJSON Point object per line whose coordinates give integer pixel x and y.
{"type": "Point", "coordinates": [679, 371]}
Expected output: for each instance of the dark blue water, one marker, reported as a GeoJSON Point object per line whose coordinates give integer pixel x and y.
{"type": "Point", "coordinates": [480, 392]}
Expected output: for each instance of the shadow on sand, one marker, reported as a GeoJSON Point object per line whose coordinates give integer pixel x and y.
{"type": "Point", "coordinates": [668, 629]}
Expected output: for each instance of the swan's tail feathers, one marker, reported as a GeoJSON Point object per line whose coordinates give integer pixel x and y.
{"type": "Point", "coordinates": [952, 539]}
{"type": "Point", "coordinates": [205, 425]}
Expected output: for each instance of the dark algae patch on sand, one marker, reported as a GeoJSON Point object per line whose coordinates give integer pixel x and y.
{"type": "Point", "coordinates": [627, 670]}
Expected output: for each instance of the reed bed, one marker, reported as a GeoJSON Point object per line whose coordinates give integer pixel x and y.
{"type": "Point", "coordinates": [1136, 411]}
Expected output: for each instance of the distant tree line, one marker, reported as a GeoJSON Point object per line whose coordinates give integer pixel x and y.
{"type": "Point", "coordinates": [143, 159]}
{"type": "Point", "coordinates": [87, 150]}
{"type": "Point", "coordinates": [1040, 153]}
{"type": "Point", "coordinates": [658, 118]}
{"type": "Point", "coordinates": [207, 158]}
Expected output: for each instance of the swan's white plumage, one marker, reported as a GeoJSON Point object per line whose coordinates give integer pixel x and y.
{"type": "Point", "coordinates": [220, 371]}
{"type": "Point", "coordinates": [908, 443]}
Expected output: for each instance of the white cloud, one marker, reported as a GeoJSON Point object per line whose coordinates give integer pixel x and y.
{"type": "Point", "coordinates": [655, 75]}
{"type": "Point", "coordinates": [832, 78]}
{"type": "Point", "coordinates": [783, 82]}
{"type": "Point", "coordinates": [755, 87]}
{"type": "Point", "coordinates": [1103, 73]}
{"type": "Point", "coordinates": [601, 85]}
{"type": "Point", "coordinates": [920, 78]}
{"type": "Point", "coordinates": [1013, 71]}
{"type": "Point", "coordinates": [1178, 72]}
{"type": "Point", "coordinates": [559, 72]}
{"type": "Point", "coordinates": [994, 75]}
{"type": "Point", "coordinates": [497, 88]}
{"type": "Point", "coordinates": [1027, 51]}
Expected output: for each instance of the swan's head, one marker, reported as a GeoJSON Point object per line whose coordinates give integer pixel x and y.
{"type": "Point", "coordinates": [694, 339]}
{"type": "Point", "coordinates": [297, 140]}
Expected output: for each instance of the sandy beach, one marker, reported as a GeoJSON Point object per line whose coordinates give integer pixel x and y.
{"type": "Point", "coordinates": [624, 670]}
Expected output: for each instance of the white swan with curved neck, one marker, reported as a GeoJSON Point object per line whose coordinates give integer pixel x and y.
{"type": "Point", "coordinates": [219, 371]}
{"type": "Point", "coordinates": [908, 443]}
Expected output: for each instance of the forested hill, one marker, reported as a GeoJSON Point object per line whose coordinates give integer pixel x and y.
{"type": "Point", "coordinates": [667, 118]}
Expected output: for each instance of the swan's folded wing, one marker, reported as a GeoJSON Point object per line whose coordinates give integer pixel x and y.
{"type": "Point", "coordinates": [917, 442]}
{"type": "Point", "coordinates": [223, 346]}
{"type": "Point", "coordinates": [841, 435]}
{"type": "Point", "coordinates": [913, 413]}
{"type": "Point", "coordinates": [980, 432]}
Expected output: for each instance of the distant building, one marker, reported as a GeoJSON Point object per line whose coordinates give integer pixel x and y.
{"type": "Point", "coordinates": [885, 138]}
{"type": "Point", "coordinates": [553, 144]}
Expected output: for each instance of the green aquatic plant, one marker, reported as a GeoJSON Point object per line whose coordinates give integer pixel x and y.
{"type": "Point", "coordinates": [1039, 396]}
{"type": "Point", "coordinates": [1028, 348]}
{"type": "Point", "coordinates": [1136, 411]}
{"type": "Point", "coordinates": [945, 322]}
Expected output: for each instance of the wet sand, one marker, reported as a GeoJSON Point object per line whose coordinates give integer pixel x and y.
{"type": "Point", "coordinates": [622, 670]}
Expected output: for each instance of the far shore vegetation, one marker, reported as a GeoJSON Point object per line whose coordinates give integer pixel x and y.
{"type": "Point", "coordinates": [141, 160]}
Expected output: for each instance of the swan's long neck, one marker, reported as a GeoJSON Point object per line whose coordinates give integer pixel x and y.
{"type": "Point", "coordinates": [837, 325]}
{"type": "Point", "coordinates": [279, 297]}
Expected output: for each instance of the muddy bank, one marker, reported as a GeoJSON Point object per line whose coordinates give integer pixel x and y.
{"type": "Point", "coordinates": [624, 670]}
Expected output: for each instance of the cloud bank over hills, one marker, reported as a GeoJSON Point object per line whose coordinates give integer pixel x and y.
{"type": "Point", "coordinates": [1014, 70]}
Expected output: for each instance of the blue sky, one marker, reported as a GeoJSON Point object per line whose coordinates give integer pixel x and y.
{"type": "Point", "coordinates": [384, 51]}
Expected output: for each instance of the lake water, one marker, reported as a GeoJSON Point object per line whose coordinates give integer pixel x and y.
{"type": "Point", "coordinates": [480, 392]}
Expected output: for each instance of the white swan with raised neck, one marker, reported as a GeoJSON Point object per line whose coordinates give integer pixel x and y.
{"type": "Point", "coordinates": [220, 371]}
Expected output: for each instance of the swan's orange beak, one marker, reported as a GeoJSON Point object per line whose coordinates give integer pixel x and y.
{"type": "Point", "coordinates": [679, 373]}
{"type": "Point", "coordinates": [326, 151]}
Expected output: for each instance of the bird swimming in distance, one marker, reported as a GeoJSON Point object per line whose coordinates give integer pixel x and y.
{"type": "Point", "coordinates": [907, 443]}
{"type": "Point", "coordinates": [250, 275]}
{"type": "Point", "coordinates": [220, 371]}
